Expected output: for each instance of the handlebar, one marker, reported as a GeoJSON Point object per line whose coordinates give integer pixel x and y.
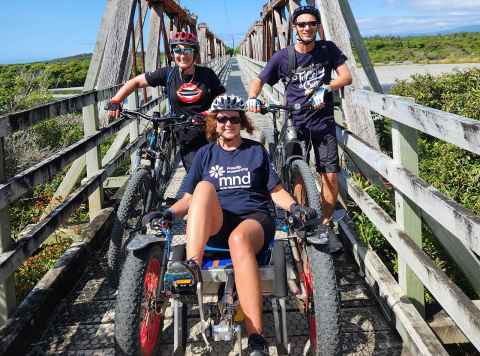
{"type": "Point", "coordinates": [173, 120]}
{"type": "Point", "coordinates": [288, 108]}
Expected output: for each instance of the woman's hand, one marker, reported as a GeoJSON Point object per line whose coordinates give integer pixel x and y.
{"type": "Point", "coordinates": [114, 108]}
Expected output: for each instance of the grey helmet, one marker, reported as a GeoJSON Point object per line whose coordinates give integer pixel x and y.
{"type": "Point", "coordinates": [227, 103]}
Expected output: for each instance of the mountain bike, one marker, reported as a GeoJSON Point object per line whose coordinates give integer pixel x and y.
{"type": "Point", "coordinates": [313, 262]}
{"type": "Point", "coordinates": [147, 184]}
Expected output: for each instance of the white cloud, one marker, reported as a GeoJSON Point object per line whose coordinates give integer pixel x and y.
{"type": "Point", "coordinates": [415, 24]}
{"type": "Point", "coordinates": [444, 4]}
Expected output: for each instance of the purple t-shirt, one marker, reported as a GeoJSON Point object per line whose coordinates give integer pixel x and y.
{"type": "Point", "coordinates": [312, 67]}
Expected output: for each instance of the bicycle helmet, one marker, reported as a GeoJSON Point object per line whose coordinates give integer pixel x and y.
{"type": "Point", "coordinates": [308, 9]}
{"type": "Point", "coordinates": [184, 38]}
{"type": "Point", "coordinates": [227, 103]}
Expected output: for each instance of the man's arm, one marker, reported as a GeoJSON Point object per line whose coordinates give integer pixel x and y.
{"type": "Point", "coordinates": [255, 87]}
{"type": "Point", "coordinates": [344, 78]}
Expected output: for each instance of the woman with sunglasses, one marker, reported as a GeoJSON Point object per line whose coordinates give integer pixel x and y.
{"type": "Point", "coordinates": [227, 194]}
{"type": "Point", "coordinates": [190, 90]}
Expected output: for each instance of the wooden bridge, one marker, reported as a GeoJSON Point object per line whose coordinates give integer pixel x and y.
{"type": "Point", "coordinates": [71, 309]}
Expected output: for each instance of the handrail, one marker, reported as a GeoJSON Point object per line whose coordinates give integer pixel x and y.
{"type": "Point", "coordinates": [21, 120]}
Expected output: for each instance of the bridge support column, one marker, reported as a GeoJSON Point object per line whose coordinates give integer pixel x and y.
{"type": "Point", "coordinates": [7, 289]}
{"type": "Point", "coordinates": [93, 160]}
{"type": "Point", "coordinates": [408, 216]}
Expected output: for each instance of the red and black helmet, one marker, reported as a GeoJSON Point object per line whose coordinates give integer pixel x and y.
{"type": "Point", "coordinates": [184, 38]}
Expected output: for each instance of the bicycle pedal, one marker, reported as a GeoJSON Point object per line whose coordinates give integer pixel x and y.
{"type": "Point", "coordinates": [181, 283]}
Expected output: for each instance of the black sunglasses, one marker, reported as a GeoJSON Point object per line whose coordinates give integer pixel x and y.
{"type": "Point", "coordinates": [309, 23]}
{"type": "Point", "coordinates": [188, 50]}
{"type": "Point", "coordinates": [233, 119]}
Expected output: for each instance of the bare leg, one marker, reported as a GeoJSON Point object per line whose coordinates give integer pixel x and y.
{"type": "Point", "coordinates": [205, 218]}
{"type": "Point", "coordinates": [245, 242]}
{"type": "Point", "coordinates": [329, 195]}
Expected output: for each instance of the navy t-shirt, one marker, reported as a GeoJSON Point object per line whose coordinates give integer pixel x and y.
{"type": "Point", "coordinates": [312, 67]}
{"type": "Point", "coordinates": [243, 178]}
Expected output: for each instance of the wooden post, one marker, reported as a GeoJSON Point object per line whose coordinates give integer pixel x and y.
{"type": "Point", "coordinates": [360, 46]}
{"type": "Point", "coordinates": [404, 146]}
{"type": "Point", "coordinates": [7, 289]}
{"type": "Point", "coordinates": [359, 119]}
{"type": "Point", "coordinates": [93, 159]}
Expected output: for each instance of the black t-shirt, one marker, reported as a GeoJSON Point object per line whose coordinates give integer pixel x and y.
{"type": "Point", "coordinates": [188, 94]}
{"type": "Point", "coordinates": [312, 67]}
{"type": "Point", "coordinates": [243, 178]}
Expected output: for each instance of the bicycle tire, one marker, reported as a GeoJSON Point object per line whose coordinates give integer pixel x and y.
{"type": "Point", "coordinates": [126, 209]}
{"type": "Point", "coordinates": [164, 171]}
{"type": "Point", "coordinates": [323, 312]}
{"type": "Point", "coordinates": [137, 328]}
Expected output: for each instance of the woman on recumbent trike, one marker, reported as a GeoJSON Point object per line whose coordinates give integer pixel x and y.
{"type": "Point", "coordinates": [227, 194]}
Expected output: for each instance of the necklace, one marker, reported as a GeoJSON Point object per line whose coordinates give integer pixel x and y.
{"type": "Point", "coordinates": [181, 75]}
{"type": "Point", "coordinates": [221, 143]}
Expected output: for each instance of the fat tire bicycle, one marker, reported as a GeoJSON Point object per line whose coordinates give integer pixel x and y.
{"type": "Point", "coordinates": [147, 184]}
{"type": "Point", "coordinates": [313, 261]}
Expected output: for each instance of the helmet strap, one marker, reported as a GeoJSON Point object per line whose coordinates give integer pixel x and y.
{"type": "Point", "coordinates": [299, 38]}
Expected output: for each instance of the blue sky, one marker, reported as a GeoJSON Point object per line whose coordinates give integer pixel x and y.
{"type": "Point", "coordinates": [36, 30]}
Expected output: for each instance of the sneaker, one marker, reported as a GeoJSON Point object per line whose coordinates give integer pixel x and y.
{"type": "Point", "coordinates": [334, 244]}
{"type": "Point", "coordinates": [183, 276]}
{"type": "Point", "coordinates": [257, 345]}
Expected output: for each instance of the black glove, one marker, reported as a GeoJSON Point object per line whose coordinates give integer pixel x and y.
{"type": "Point", "coordinates": [302, 214]}
{"type": "Point", "coordinates": [114, 108]}
{"type": "Point", "coordinates": [157, 219]}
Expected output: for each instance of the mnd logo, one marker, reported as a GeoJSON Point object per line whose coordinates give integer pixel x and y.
{"type": "Point", "coordinates": [216, 171]}
{"type": "Point", "coordinates": [231, 177]}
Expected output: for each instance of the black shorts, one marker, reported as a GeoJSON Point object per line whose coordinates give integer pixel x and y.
{"type": "Point", "coordinates": [231, 221]}
{"type": "Point", "coordinates": [324, 146]}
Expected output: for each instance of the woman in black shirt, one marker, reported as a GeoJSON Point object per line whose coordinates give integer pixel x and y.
{"type": "Point", "coordinates": [190, 90]}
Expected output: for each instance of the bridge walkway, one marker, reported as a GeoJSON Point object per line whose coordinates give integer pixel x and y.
{"type": "Point", "coordinates": [83, 323]}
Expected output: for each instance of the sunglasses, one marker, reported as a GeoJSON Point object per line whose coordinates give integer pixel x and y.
{"type": "Point", "coordinates": [312, 24]}
{"type": "Point", "coordinates": [232, 119]}
{"type": "Point", "coordinates": [188, 50]}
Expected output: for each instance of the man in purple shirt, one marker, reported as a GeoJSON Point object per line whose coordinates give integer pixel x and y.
{"type": "Point", "coordinates": [310, 81]}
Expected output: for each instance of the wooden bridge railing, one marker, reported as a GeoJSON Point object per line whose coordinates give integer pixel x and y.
{"type": "Point", "coordinates": [120, 44]}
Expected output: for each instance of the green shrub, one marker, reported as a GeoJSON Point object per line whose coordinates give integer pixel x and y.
{"type": "Point", "coordinates": [35, 267]}
{"type": "Point", "coordinates": [451, 170]}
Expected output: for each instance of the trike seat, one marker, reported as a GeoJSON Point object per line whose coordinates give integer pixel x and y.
{"type": "Point", "coordinates": [216, 257]}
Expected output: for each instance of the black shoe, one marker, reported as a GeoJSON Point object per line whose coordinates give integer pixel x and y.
{"type": "Point", "coordinates": [257, 345]}
{"type": "Point", "coordinates": [183, 276]}
{"type": "Point", "coordinates": [334, 244]}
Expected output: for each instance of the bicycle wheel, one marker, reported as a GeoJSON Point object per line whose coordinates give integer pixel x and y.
{"type": "Point", "coordinates": [138, 316]}
{"type": "Point", "coordinates": [136, 201]}
{"type": "Point", "coordinates": [318, 278]}
{"type": "Point", "coordinates": [164, 169]}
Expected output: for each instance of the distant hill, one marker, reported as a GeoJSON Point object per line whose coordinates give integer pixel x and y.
{"type": "Point", "coordinates": [70, 58]}
{"type": "Point", "coordinates": [472, 28]}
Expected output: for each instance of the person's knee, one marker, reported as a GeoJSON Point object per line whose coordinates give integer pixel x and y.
{"type": "Point", "coordinates": [204, 188]}
{"type": "Point", "coordinates": [240, 245]}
